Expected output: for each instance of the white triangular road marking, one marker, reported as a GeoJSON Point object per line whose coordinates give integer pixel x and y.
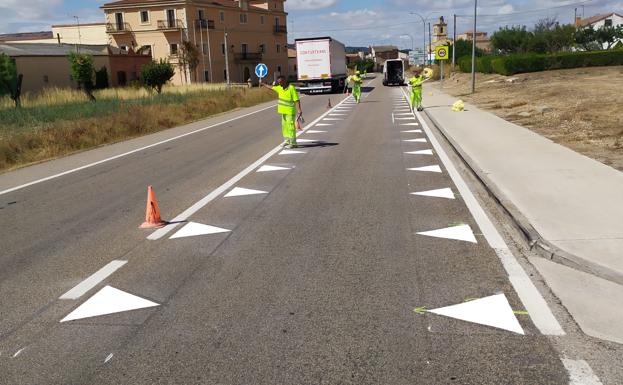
{"type": "Point", "coordinates": [292, 152]}
{"type": "Point", "coordinates": [306, 141]}
{"type": "Point", "coordinates": [338, 114]}
{"type": "Point", "coordinates": [405, 114]}
{"type": "Point", "coordinates": [420, 152]}
{"type": "Point", "coordinates": [410, 118]}
{"type": "Point", "coordinates": [315, 132]}
{"type": "Point", "coordinates": [193, 229]}
{"type": "Point", "coordinates": [239, 192]}
{"type": "Point", "coordinates": [418, 140]}
{"type": "Point", "coordinates": [434, 168]}
{"type": "Point", "coordinates": [441, 193]}
{"type": "Point", "coordinates": [410, 124]}
{"type": "Point", "coordinates": [412, 131]}
{"type": "Point", "coordinates": [332, 119]}
{"type": "Point", "coordinates": [268, 168]}
{"type": "Point", "coordinates": [459, 233]}
{"type": "Point", "coordinates": [324, 124]}
{"type": "Point", "coordinates": [108, 301]}
{"type": "Point", "coordinates": [491, 311]}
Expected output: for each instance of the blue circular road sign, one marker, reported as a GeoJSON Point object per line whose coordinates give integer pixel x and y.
{"type": "Point", "coordinates": [261, 70]}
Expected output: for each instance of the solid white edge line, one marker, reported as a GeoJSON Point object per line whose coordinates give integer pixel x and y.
{"type": "Point", "coordinates": [93, 280]}
{"type": "Point", "coordinates": [534, 302]}
{"type": "Point", "coordinates": [129, 152]}
{"type": "Point", "coordinates": [230, 183]}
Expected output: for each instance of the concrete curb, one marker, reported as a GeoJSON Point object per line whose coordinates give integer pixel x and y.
{"type": "Point", "coordinates": [532, 237]}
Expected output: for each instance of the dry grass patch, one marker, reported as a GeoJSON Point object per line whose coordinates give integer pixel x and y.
{"type": "Point", "coordinates": [579, 108]}
{"type": "Point", "coordinates": [38, 132]}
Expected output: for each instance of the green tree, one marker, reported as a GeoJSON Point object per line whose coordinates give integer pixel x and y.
{"type": "Point", "coordinates": [10, 80]}
{"type": "Point", "coordinates": [83, 72]}
{"type": "Point", "coordinates": [464, 48]}
{"type": "Point", "coordinates": [363, 65]}
{"type": "Point", "coordinates": [586, 38]}
{"type": "Point", "coordinates": [155, 74]}
{"type": "Point", "coordinates": [510, 40]}
{"type": "Point", "coordinates": [609, 36]}
{"type": "Point", "coordinates": [188, 58]}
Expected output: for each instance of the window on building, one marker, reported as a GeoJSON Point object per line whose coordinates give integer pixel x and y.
{"type": "Point", "coordinates": [145, 17]}
{"type": "Point", "coordinates": [123, 48]}
{"type": "Point", "coordinates": [279, 69]}
{"type": "Point", "coordinates": [278, 48]}
{"type": "Point", "coordinates": [201, 14]}
{"type": "Point", "coordinates": [608, 23]}
{"type": "Point", "coordinates": [221, 16]}
{"type": "Point", "coordinates": [223, 48]}
{"type": "Point", "coordinates": [206, 76]}
{"type": "Point", "coordinates": [244, 47]}
{"type": "Point", "coordinates": [205, 48]}
{"type": "Point", "coordinates": [262, 19]}
{"type": "Point", "coordinates": [225, 74]}
{"type": "Point", "coordinates": [46, 79]}
{"type": "Point", "coordinates": [277, 21]}
{"type": "Point", "coordinates": [244, 18]}
{"type": "Point", "coordinates": [262, 48]}
{"type": "Point", "coordinates": [173, 48]}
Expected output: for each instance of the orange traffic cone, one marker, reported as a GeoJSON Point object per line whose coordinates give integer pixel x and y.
{"type": "Point", "coordinates": [152, 212]}
{"type": "Point", "coordinates": [329, 105]}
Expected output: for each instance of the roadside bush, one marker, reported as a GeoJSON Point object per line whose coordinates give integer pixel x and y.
{"type": "Point", "coordinates": [483, 64]}
{"type": "Point", "coordinates": [513, 64]}
{"type": "Point", "coordinates": [156, 74]}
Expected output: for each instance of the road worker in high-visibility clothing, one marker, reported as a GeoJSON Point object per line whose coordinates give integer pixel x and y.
{"type": "Point", "coordinates": [289, 107]}
{"type": "Point", "coordinates": [416, 90]}
{"type": "Point", "coordinates": [357, 81]}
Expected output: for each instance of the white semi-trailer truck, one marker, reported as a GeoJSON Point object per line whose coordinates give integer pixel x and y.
{"type": "Point", "coordinates": [321, 65]}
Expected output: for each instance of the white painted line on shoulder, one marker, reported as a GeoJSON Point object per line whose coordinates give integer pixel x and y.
{"type": "Point", "coordinates": [93, 280]}
{"type": "Point", "coordinates": [229, 184]}
{"type": "Point", "coordinates": [580, 372]}
{"type": "Point", "coordinates": [129, 152]}
{"type": "Point", "coordinates": [533, 301]}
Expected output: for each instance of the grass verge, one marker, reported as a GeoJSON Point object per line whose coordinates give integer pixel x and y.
{"type": "Point", "coordinates": [48, 129]}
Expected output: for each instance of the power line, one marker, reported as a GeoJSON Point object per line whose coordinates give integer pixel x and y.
{"type": "Point", "coordinates": [530, 11]}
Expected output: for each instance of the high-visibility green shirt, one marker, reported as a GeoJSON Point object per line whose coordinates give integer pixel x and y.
{"type": "Point", "coordinates": [416, 81]}
{"type": "Point", "coordinates": [287, 99]}
{"type": "Point", "coordinates": [355, 79]}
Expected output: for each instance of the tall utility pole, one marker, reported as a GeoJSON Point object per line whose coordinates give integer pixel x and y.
{"type": "Point", "coordinates": [430, 45]}
{"type": "Point", "coordinates": [474, 49]}
{"type": "Point", "coordinates": [209, 53]}
{"type": "Point", "coordinates": [453, 42]}
{"type": "Point", "coordinates": [79, 35]}
{"type": "Point", "coordinates": [226, 59]}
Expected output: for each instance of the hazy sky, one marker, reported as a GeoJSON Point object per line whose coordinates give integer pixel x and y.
{"type": "Point", "coordinates": [355, 23]}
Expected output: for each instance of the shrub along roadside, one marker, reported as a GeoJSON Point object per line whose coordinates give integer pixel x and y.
{"type": "Point", "coordinates": [513, 64]}
{"type": "Point", "coordinates": [123, 120]}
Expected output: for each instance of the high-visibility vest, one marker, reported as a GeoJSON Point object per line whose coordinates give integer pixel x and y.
{"type": "Point", "coordinates": [416, 82]}
{"type": "Point", "coordinates": [287, 99]}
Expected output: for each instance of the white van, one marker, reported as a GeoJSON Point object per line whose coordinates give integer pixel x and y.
{"type": "Point", "coordinates": [394, 72]}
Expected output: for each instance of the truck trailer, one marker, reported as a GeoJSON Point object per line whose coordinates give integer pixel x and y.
{"type": "Point", "coordinates": [321, 63]}
{"type": "Point", "coordinates": [394, 72]}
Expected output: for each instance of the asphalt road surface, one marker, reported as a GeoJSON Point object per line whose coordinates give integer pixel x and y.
{"type": "Point", "coordinates": [320, 277]}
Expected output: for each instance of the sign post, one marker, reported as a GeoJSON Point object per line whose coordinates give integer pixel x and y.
{"type": "Point", "coordinates": [441, 54]}
{"type": "Point", "coordinates": [261, 70]}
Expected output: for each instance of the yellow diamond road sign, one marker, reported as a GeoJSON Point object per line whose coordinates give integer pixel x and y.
{"type": "Point", "coordinates": [441, 52]}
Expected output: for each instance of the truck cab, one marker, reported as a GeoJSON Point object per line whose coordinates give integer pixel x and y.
{"type": "Point", "coordinates": [394, 72]}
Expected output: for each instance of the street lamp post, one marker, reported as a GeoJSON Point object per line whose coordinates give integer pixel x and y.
{"type": "Point", "coordinates": [474, 49]}
{"type": "Point", "coordinates": [423, 35]}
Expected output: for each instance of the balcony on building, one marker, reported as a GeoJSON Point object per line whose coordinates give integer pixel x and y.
{"type": "Point", "coordinates": [280, 29]}
{"type": "Point", "coordinates": [170, 25]}
{"type": "Point", "coordinates": [118, 28]}
{"type": "Point", "coordinates": [248, 56]}
{"type": "Point", "coordinates": [204, 24]}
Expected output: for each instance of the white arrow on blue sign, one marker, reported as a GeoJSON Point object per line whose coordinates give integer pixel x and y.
{"type": "Point", "coordinates": [261, 70]}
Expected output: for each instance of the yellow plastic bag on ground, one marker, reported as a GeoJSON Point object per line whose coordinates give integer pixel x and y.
{"type": "Point", "coordinates": [458, 106]}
